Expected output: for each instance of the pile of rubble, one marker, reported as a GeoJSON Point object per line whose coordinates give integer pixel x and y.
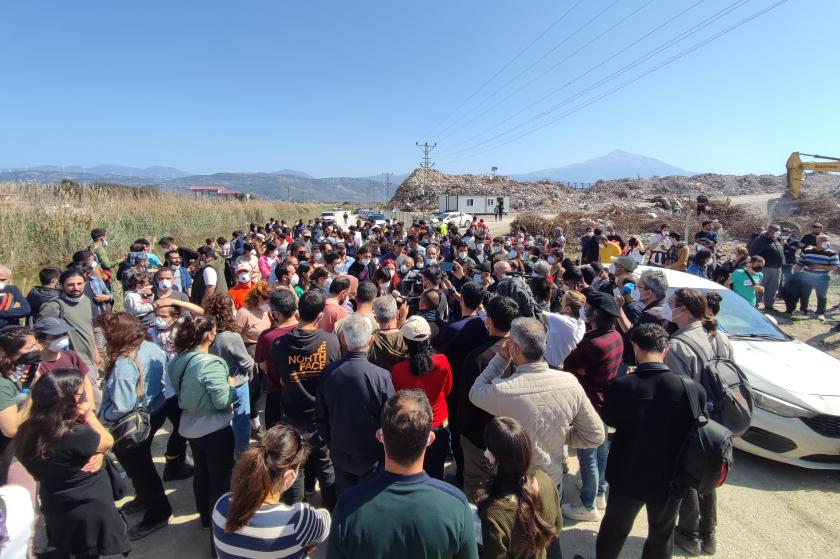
{"type": "Point", "coordinates": [420, 191]}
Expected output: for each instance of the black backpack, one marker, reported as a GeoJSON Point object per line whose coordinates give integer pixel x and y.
{"type": "Point", "coordinates": [729, 398]}
{"type": "Point", "coordinates": [706, 457]}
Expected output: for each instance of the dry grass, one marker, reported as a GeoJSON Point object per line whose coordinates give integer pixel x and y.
{"type": "Point", "coordinates": [43, 225]}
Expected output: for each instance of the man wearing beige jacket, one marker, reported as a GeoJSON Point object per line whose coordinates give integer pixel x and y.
{"type": "Point", "coordinates": [550, 404]}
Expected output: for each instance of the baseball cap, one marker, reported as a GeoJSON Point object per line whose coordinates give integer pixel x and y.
{"type": "Point", "coordinates": [243, 267]}
{"type": "Point", "coordinates": [416, 329]}
{"type": "Point", "coordinates": [603, 301]}
{"type": "Point", "coordinates": [49, 326]}
{"type": "Point", "coordinates": [626, 262]}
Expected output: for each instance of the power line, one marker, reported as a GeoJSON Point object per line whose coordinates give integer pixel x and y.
{"type": "Point", "coordinates": [632, 80]}
{"type": "Point", "coordinates": [508, 63]}
{"type": "Point", "coordinates": [624, 69]}
{"type": "Point", "coordinates": [555, 66]}
{"type": "Point", "coordinates": [540, 59]}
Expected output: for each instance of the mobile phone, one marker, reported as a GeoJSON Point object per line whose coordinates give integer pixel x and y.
{"type": "Point", "coordinates": [446, 266]}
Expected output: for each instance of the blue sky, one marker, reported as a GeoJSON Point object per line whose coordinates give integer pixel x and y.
{"type": "Point", "coordinates": [346, 88]}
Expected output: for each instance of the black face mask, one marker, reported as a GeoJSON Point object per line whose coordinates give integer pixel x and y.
{"type": "Point", "coordinates": [757, 269]}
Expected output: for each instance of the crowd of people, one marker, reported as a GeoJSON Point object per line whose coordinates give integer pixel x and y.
{"type": "Point", "coordinates": [355, 361]}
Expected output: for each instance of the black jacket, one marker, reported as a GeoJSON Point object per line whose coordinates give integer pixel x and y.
{"type": "Point", "coordinates": [348, 406]}
{"type": "Point", "coordinates": [356, 269]}
{"type": "Point", "coordinates": [771, 250]}
{"type": "Point", "coordinates": [38, 297]}
{"type": "Point", "coordinates": [651, 415]}
{"type": "Point", "coordinates": [471, 419]}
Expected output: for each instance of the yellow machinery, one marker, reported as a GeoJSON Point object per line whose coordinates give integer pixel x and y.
{"type": "Point", "coordinates": [796, 170]}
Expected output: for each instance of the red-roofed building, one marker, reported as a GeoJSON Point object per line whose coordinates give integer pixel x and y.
{"type": "Point", "coordinates": [216, 191]}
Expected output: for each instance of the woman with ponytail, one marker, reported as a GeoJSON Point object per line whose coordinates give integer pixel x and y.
{"type": "Point", "coordinates": [431, 373]}
{"type": "Point", "coordinates": [520, 510]}
{"type": "Point", "coordinates": [206, 395]}
{"type": "Point", "coordinates": [251, 519]}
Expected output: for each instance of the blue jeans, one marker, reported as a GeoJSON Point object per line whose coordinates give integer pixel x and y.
{"type": "Point", "coordinates": [241, 420]}
{"type": "Point", "coordinates": [593, 466]}
{"type": "Point", "coordinates": [818, 283]}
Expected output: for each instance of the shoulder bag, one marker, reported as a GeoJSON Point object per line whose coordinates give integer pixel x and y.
{"type": "Point", "coordinates": [133, 429]}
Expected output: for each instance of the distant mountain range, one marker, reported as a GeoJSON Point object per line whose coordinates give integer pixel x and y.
{"type": "Point", "coordinates": [297, 185]}
{"type": "Point", "coordinates": [618, 164]}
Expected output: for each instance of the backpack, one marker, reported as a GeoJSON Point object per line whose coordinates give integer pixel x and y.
{"type": "Point", "coordinates": [729, 396]}
{"type": "Point", "coordinates": [705, 457]}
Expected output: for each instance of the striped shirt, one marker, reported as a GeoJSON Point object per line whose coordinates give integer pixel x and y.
{"type": "Point", "coordinates": [274, 532]}
{"type": "Point", "coordinates": [813, 257]}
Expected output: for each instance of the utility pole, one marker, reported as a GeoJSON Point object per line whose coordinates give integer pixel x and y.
{"type": "Point", "coordinates": [388, 176]}
{"type": "Point", "coordinates": [289, 192]}
{"type": "Point", "coordinates": [426, 163]}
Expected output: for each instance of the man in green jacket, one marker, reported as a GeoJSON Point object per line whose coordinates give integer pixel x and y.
{"type": "Point", "coordinates": [403, 512]}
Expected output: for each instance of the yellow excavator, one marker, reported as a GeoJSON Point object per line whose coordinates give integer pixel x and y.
{"type": "Point", "coordinates": [796, 170]}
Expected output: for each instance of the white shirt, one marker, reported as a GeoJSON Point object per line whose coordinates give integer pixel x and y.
{"type": "Point", "coordinates": [637, 256]}
{"type": "Point", "coordinates": [209, 275]}
{"type": "Point", "coordinates": [20, 516]}
{"type": "Point", "coordinates": [564, 334]}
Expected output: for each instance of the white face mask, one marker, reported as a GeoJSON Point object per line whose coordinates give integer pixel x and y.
{"type": "Point", "coordinates": [383, 285]}
{"type": "Point", "coordinates": [462, 255]}
{"type": "Point", "coordinates": [490, 458]}
{"type": "Point", "coordinates": [244, 277]}
{"type": "Point", "coordinates": [420, 264]}
{"type": "Point", "coordinates": [826, 245]}
{"type": "Point", "coordinates": [165, 285]}
{"type": "Point", "coordinates": [253, 253]}
{"type": "Point", "coordinates": [611, 269]}
{"type": "Point", "coordinates": [496, 249]}
{"type": "Point", "coordinates": [404, 268]}
{"type": "Point", "coordinates": [364, 261]}
{"type": "Point", "coordinates": [512, 254]}
{"type": "Point", "coordinates": [60, 344]}
{"type": "Point", "coordinates": [667, 312]}
{"type": "Point", "coordinates": [582, 313]}
{"type": "Point", "coordinates": [3, 285]}
{"type": "Point", "coordinates": [294, 280]}
{"type": "Point", "coordinates": [551, 260]}
{"type": "Point", "coordinates": [635, 295]}
{"type": "Point", "coordinates": [318, 256]}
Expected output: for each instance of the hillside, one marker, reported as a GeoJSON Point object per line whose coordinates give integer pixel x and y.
{"type": "Point", "coordinates": [547, 196]}
{"type": "Point", "coordinates": [614, 165]}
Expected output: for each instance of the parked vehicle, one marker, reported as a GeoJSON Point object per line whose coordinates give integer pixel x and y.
{"type": "Point", "coordinates": [328, 217]}
{"type": "Point", "coordinates": [459, 218]}
{"type": "Point", "coordinates": [376, 217]}
{"type": "Point", "coordinates": [796, 387]}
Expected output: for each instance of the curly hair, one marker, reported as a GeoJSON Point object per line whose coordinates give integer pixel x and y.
{"type": "Point", "coordinates": [123, 333]}
{"type": "Point", "coordinates": [260, 291]}
{"type": "Point", "coordinates": [220, 307]}
{"type": "Point", "coordinates": [12, 340]}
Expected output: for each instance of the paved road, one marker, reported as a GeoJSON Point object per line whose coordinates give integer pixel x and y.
{"type": "Point", "coordinates": [767, 510]}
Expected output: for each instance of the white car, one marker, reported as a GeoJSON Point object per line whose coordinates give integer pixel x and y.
{"type": "Point", "coordinates": [327, 217]}
{"type": "Point", "coordinates": [796, 419]}
{"type": "Point", "coordinates": [377, 218]}
{"type": "Point", "coordinates": [459, 218]}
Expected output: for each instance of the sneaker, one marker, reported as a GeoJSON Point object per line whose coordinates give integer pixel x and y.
{"type": "Point", "coordinates": [821, 317]}
{"type": "Point", "coordinates": [178, 469]}
{"type": "Point", "coordinates": [601, 502]}
{"type": "Point", "coordinates": [581, 513]}
{"type": "Point", "coordinates": [141, 530]}
{"type": "Point", "coordinates": [709, 545]}
{"type": "Point", "coordinates": [133, 506]}
{"type": "Point", "coordinates": [690, 545]}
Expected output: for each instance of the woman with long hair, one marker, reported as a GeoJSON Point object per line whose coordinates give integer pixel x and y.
{"type": "Point", "coordinates": [133, 360]}
{"type": "Point", "coordinates": [19, 356]}
{"type": "Point", "coordinates": [229, 346]}
{"type": "Point", "coordinates": [62, 445]}
{"type": "Point", "coordinates": [254, 318]}
{"type": "Point", "coordinates": [205, 394]}
{"type": "Point", "coordinates": [252, 517]}
{"type": "Point", "coordinates": [520, 509]}
{"type": "Point", "coordinates": [431, 373]}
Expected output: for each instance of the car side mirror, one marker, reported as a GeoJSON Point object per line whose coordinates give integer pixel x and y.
{"type": "Point", "coordinates": [772, 319]}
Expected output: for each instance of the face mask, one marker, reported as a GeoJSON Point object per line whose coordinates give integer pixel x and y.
{"type": "Point", "coordinates": [70, 299]}
{"type": "Point", "coordinates": [611, 268]}
{"type": "Point", "coordinates": [826, 245]}
{"type": "Point", "coordinates": [785, 237]}
{"type": "Point", "coordinates": [420, 264]}
{"type": "Point", "coordinates": [404, 269]}
{"type": "Point", "coordinates": [161, 323]}
{"type": "Point", "coordinates": [462, 255]}
{"type": "Point", "coordinates": [551, 260]}
{"type": "Point", "coordinates": [244, 277]}
{"type": "Point", "coordinates": [364, 261]}
{"type": "Point", "coordinates": [699, 247]}
{"type": "Point", "coordinates": [512, 254]}
{"type": "Point", "coordinates": [665, 233]}
{"type": "Point", "coordinates": [667, 312]}
{"type": "Point", "coordinates": [2, 285]}
{"type": "Point", "coordinates": [165, 285]}
{"type": "Point", "coordinates": [496, 249]}
{"type": "Point", "coordinates": [253, 253]}
{"type": "Point", "coordinates": [490, 458]}
{"type": "Point", "coordinates": [635, 295]}
{"type": "Point", "coordinates": [29, 358]}
{"type": "Point", "coordinates": [294, 280]}
{"type": "Point", "coordinates": [582, 313]}
{"type": "Point", "coordinates": [383, 285]}
{"type": "Point", "coordinates": [616, 292]}
{"type": "Point", "coordinates": [777, 235]}
{"type": "Point", "coordinates": [60, 344]}
{"type": "Point", "coordinates": [318, 256]}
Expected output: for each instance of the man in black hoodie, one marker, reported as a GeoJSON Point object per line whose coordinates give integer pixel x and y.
{"type": "Point", "coordinates": [49, 290]}
{"type": "Point", "coordinates": [297, 361]}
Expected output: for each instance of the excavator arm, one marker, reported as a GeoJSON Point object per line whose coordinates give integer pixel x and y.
{"type": "Point", "coordinates": [796, 170]}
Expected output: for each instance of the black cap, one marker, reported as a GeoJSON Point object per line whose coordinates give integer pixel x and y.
{"type": "Point", "coordinates": [603, 301]}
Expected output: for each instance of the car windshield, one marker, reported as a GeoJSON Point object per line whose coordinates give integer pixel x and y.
{"type": "Point", "coordinates": [376, 216]}
{"type": "Point", "coordinates": [737, 318]}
